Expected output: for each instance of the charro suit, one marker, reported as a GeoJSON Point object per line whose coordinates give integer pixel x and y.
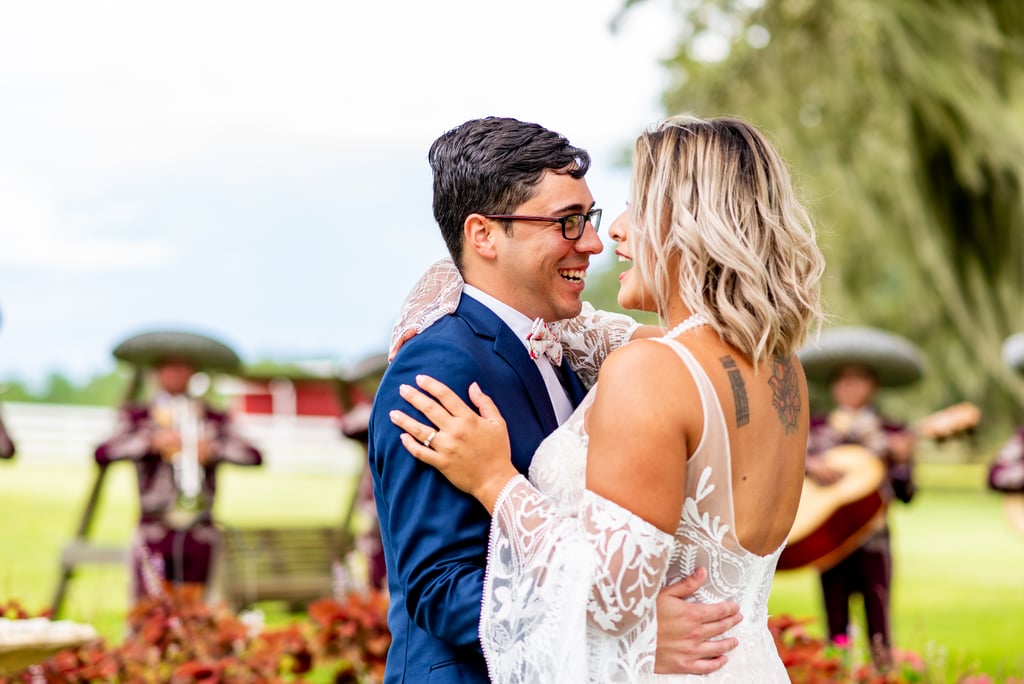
{"type": "Point", "coordinates": [435, 536]}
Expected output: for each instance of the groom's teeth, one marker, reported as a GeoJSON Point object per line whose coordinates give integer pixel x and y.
{"type": "Point", "coordinates": [573, 275]}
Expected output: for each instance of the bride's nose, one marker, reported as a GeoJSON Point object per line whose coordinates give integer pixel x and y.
{"type": "Point", "coordinates": [619, 229]}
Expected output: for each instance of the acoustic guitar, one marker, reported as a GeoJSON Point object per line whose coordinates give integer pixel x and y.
{"type": "Point", "coordinates": [832, 521]}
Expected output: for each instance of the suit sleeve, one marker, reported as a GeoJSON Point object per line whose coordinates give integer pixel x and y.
{"type": "Point", "coordinates": [438, 533]}
{"type": "Point", "coordinates": [131, 438]}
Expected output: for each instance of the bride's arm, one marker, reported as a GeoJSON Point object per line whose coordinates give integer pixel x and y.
{"type": "Point", "coordinates": [645, 419]}
{"type": "Point", "coordinates": [592, 335]}
{"type": "Point", "coordinates": [627, 555]}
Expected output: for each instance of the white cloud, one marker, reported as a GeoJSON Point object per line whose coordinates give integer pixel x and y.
{"type": "Point", "coordinates": [31, 235]}
{"type": "Point", "coordinates": [229, 140]}
{"type": "Point", "coordinates": [140, 83]}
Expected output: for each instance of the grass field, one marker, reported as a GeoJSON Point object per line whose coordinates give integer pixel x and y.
{"type": "Point", "coordinates": [959, 568]}
{"type": "Point", "coordinates": [41, 507]}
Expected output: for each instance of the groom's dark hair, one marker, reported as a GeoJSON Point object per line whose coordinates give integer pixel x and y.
{"type": "Point", "coordinates": [492, 166]}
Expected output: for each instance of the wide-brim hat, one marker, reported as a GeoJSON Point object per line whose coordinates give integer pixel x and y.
{"type": "Point", "coordinates": [200, 351]}
{"type": "Point", "coordinates": [892, 359]}
{"type": "Point", "coordinates": [1013, 352]}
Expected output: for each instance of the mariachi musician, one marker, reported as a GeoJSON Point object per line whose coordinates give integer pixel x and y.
{"type": "Point", "coordinates": [854, 362]}
{"type": "Point", "coordinates": [6, 445]}
{"type": "Point", "coordinates": [176, 442]}
{"type": "Point", "coordinates": [1006, 473]}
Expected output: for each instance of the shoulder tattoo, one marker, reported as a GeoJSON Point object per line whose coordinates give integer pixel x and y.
{"type": "Point", "coordinates": [739, 390]}
{"type": "Point", "coordinates": [785, 393]}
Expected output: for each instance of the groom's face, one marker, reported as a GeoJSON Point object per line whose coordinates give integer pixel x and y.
{"type": "Point", "coordinates": [543, 273]}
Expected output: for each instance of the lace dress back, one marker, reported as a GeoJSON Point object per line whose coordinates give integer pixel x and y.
{"type": "Point", "coordinates": [572, 578]}
{"type": "Point", "coordinates": [707, 538]}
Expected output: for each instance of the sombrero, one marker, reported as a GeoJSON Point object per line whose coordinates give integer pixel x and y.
{"type": "Point", "coordinates": [892, 359]}
{"type": "Point", "coordinates": [202, 352]}
{"type": "Point", "coordinates": [1013, 352]}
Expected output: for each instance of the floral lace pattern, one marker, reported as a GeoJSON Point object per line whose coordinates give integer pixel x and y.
{"type": "Point", "coordinates": [434, 295]}
{"type": "Point", "coordinates": [572, 579]}
{"type": "Point", "coordinates": [561, 568]}
{"type": "Point", "coordinates": [590, 337]}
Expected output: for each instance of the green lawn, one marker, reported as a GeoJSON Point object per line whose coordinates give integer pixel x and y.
{"type": "Point", "coordinates": [41, 508]}
{"type": "Point", "coordinates": [959, 587]}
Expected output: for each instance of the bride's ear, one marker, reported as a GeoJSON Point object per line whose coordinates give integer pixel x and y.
{"type": "Point", "coordinates": [480, 235]}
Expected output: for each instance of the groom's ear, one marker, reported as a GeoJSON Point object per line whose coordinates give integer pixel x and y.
{"type": "Point", "coordinates": [480, 235]}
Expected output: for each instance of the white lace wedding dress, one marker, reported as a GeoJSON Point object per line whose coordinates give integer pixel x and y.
{"type": "Point", "coordinates": [572, 578]}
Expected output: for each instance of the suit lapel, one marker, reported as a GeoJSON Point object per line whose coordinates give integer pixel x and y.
{"type": "Point", "coordinates": [572, 383]}
{"type": "Point", "coordinates": [486, 324]}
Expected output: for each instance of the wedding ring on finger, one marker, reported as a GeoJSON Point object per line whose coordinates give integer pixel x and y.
{"type": "Point", "coordinates": [430, 438]}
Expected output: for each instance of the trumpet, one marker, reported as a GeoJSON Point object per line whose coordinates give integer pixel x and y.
{"type": "Point", "coordinates": [188, 472]}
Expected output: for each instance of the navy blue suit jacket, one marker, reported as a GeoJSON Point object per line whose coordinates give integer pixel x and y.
{"type": "Point", "coordinates": [435, 536]}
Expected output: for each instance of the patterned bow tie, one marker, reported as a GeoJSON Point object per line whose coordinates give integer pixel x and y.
{"type": "Point", "coordinates": [544, 340]}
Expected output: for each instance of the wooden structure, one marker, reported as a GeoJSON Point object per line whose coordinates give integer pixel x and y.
{"type": "Point", "coordinates": [291, 564]}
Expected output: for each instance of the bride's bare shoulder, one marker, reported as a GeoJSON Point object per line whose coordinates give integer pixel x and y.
{"type": "Point", "coordinates": [646, 371]}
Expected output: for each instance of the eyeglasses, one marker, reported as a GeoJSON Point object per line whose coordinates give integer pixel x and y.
{"type": "Point", "coordinates": [573, 225]}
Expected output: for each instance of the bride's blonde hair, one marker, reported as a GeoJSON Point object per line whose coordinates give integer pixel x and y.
{"type": "Point", "coordinates": [716, 221]}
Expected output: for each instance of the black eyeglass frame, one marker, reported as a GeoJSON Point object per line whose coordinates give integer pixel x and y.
{"type": "Point", "coordinates": [593, 217]}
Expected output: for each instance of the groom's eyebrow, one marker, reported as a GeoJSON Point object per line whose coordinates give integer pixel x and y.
{"type": "Point", "coordinates": [575, 208]}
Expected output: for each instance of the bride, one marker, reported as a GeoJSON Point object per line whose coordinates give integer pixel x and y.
{"type": "Point", "coordinates": [689, 450]}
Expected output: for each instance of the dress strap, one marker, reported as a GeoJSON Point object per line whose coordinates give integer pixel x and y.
{"type": "Point", "coordinates": [713, 453]}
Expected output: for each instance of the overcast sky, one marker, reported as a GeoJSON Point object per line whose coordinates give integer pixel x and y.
{"type": "Point", "coordinates": [256, 170]}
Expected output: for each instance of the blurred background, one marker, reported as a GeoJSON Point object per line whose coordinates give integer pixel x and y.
{"type": "Point", "coordinates": [258, 171]}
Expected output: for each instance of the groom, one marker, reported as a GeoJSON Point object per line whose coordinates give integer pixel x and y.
{"type": "Point", "coordinates": [520, 223]}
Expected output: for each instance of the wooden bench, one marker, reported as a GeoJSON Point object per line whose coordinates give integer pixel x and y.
{"type": "Point", "coordinates": [291, 564]}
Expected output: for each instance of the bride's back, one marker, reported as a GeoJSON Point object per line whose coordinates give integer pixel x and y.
{"type": "Point", "coordinates": [765, 416]}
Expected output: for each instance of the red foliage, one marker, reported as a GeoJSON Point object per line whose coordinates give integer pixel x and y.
{"type": "Point", "coordinates": [354, 629]}
{"type": "Point", "coordinates": [182, 640]}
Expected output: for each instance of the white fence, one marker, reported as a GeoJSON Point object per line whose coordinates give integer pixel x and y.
{"type": "Point", "coordinates": [54, 434]}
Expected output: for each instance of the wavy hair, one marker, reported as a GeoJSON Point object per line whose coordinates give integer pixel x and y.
{"type": "Point", "coordinates": [716, 221]}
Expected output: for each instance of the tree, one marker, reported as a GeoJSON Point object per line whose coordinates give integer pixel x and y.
{"type": "Point", "coordinates": [903, 122]}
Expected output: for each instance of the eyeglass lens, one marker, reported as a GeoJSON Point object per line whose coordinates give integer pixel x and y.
{"type": "Point", "coordinates": [575, 224]}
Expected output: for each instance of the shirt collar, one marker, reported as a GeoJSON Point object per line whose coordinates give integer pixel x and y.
{"type": "Point", "coordinates": [520, 323]}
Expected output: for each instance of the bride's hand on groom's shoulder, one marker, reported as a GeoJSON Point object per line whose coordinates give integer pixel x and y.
{"type": "Point", "coordinates": [471, 449]}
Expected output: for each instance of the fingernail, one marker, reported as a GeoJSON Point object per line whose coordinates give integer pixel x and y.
{"type": "Point", "coordinates": [403, 388]}
{"type": "Point", "coordinates": [392, 415]}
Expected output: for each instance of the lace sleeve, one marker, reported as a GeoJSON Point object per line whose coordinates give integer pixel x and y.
{"type": "Point", "coordinates": [590, 337]}
{"type": "Point", "coordinates": [550, 573]}
{"type": "Point", "coordinates": [434, 295]}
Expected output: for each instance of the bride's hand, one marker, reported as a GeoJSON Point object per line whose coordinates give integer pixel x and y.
{"type": "Point", "coordinates": [472, 450]}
